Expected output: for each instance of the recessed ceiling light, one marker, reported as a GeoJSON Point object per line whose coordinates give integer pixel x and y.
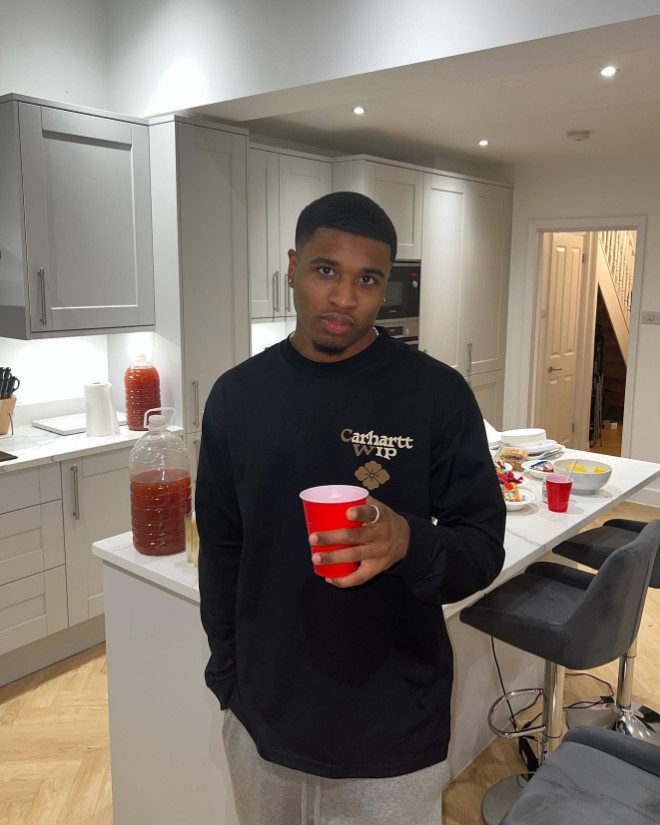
{"type": "Point", "coordinates": [484, 142]}
{"type": "Point", "coordinates": [609, 71]}
{"type": "Point", "coordinates": [358, 110]}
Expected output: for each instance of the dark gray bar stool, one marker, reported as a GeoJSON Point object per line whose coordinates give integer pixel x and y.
{"type": "Point", "coordinates": [571, 619]}
{"type": "Point", "coordinates": [595, 777]}
{"type": "Point", "coordinates": [591, 548]}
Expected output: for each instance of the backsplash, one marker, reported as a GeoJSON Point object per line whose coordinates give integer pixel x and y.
{"type": "Point", "coordinates": [53, 373]}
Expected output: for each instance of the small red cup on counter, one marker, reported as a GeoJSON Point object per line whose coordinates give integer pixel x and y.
{"type": "Point", "coordinates": [558, 489]}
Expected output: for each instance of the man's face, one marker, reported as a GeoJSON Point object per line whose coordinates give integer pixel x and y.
{"type": "Point", "coordinates": [338, 287]}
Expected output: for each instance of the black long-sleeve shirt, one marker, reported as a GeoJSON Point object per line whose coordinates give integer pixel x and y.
{"type": "Point", "coordinates": [341, 682]}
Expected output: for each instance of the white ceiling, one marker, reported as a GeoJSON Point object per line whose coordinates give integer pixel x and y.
{"type": "Point", "coordinates": [524, 98]}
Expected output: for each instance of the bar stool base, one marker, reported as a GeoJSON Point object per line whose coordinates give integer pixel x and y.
{"type": "Point", "coordinates": [638, 721]}
{"type": "Point", "coordinates": [499, 799]}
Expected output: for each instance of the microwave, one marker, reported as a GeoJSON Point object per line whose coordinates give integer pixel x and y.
{"type": "Point", "coordinates": [402, 291]}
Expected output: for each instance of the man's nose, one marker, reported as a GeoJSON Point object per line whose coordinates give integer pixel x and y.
{"type": "Point", "coordinates": [344, 293]}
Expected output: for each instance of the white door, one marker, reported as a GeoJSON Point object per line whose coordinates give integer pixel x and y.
{"type": "Point", "coordinates": [488, 389]}
{"type": "Point", "coordinates": [87, 220]}
{"type": "Point", "coordinates": [558, 343]}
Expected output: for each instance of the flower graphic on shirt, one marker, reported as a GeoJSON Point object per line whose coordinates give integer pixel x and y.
{"type": "Point", "coordinates": [372, 475]}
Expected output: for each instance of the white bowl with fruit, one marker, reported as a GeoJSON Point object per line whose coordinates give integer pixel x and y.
{"type": "Point", "coordinates": [588, 476]}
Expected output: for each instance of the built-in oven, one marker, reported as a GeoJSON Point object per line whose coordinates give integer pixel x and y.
{"type": "Point", "coordinates": [402, 291]}
{"type": "Point", "coordinates": [405, 329]}
{"type": "Point", "coordinates": [399, 313]}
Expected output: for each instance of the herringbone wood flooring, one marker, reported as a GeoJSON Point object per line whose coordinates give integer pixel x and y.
{"type": "Point", "coordinates": [54, 746]}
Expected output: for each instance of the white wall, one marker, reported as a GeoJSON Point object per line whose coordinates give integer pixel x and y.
{"type": "Point", "coordinates": [55, 49]}
{"type": "Point", "coordinates": [173, 54]}
{"type": "Point", "coordinates": [586, 189]}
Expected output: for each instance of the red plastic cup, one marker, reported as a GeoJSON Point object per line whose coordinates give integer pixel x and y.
{"type": "Point", "coordinates": [558, 488]}
{"type": "Point", "coordinates": [325, 509]}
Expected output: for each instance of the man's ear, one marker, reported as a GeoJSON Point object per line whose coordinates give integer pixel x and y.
{"type": "Point", "coordinates": [293, 265]}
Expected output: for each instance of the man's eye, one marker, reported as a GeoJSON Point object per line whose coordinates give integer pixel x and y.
{"type": "Point", "coordinates": [367, 280]}
{"type": "Point", "coordinates": [325, 270]}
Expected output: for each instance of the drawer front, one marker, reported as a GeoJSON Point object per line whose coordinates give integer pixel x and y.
{"type": "Point", "coordinates": [98, 463]}
{"type": "Point", "coordinates": [31, 541]}
{"type": "Point", "coordinates": [22, 612]}
{"type": "Point", "coordinates": [19, 489]}
{"type": "Point", "coordinates": [32, 608]}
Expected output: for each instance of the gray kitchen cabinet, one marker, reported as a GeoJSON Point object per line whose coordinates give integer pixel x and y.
{"type": "Point", "coordinates": [279, 187]}
{"type": "Point", "coordinates": [75, 230]}
{"type": "Point", "coordinates": [395, 187]}
{"type": "Point", "coordinates": [96, 505]}
{"type": "Point", "coordinates": [199, 187]}
{"type": "Point", "coordinates": [33, 595]}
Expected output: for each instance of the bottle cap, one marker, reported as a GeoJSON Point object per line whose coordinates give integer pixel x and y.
{"type": "Point", "coordinates": [157, 422]}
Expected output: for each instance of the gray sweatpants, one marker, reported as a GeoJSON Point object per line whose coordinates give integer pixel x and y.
{"type": "Point", "coordinates": [269, 794]}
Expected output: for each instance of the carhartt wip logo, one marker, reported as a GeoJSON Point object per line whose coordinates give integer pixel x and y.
{"type": "Point", "coordinates": [384, 446]}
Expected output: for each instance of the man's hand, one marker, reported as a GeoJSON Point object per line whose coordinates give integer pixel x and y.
{"type": "Point", "coordinates": [377, 545]}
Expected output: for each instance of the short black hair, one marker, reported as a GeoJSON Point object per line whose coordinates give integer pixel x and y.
{"type": "Point", "coordinates": [348, 212]}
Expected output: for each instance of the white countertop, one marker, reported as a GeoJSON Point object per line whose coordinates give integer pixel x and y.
{"type": "Point", "coordinates": [173, 572]}
{"type": "Point", "coordinates": [530, 532]}
{"type": "Point", "coordinates": [34, 446]}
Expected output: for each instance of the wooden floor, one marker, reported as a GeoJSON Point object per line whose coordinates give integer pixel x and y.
{"type": "Point", "coordinates": [54, 747]}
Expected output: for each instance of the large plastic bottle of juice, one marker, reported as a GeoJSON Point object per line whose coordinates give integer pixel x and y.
{"type": "Point", "coordinates": [159, 467]}
{"type": "Point", "coordinates": [142, 387]}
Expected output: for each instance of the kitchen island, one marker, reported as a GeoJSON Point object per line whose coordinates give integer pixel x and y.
{"type": "Point", "coordinates": [168, 764]}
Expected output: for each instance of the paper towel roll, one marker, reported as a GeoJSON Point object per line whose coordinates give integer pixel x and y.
{"type": "Point", "coordinates": [100, 415]}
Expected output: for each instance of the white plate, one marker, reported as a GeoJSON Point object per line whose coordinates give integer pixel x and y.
{"type": "Point", "coordinates": [526, 496]}
{"type": "Point", "coordinates": [527, 467]}
{"type": "Point", "coordinates": [540, 447]}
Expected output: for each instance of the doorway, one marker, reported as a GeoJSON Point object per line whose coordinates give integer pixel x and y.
{"type": "Point", "coordinates": [587, 285]}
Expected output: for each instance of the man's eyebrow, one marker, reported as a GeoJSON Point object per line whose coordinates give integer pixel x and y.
{"type": "Point", "coordinates": [327, 261]}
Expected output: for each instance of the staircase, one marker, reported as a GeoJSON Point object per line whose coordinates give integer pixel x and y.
{"type": "Point", "coordinates": [615, 265]}
{"type": "Point", "coordinates": [614, 366]}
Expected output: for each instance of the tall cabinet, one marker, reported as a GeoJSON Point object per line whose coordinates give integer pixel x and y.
{"type": "Point", "coordinates": [465, 252]}
{"type": "Point", "coordinates": [279, 187]}
{"type": "Point", "coordinates": [199, 188]}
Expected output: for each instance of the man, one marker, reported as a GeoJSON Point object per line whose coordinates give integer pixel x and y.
{"type": "Point", "coordinates": [337, 691]}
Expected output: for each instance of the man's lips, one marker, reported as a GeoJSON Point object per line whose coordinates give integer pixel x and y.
{"type": "Point", "coordinates": [336, 324]}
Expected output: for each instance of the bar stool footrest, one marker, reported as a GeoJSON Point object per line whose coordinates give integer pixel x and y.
{"type": "Point", "coordinates": [507, 697]}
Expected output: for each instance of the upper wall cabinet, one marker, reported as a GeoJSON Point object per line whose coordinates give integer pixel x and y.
{"type": "Point", "coordinates": [75, 222]}
{"type": "Point", "coordinates": [398, 189]}
{"type": "Point", "coordinates": [279, 188]}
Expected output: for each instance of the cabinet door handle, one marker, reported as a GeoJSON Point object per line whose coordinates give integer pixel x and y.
{"type": "Point", "coordinates": [76, 494]}
{"type": "Point", "coordinates": [276, 291]}
{"type": "Point", "coordinates": [42, 293]}
{"type": "Point", "coordinates": [196, 446]}
{"type": "Point", "coordinates": [288, 298]}
{"type": "Point", "coordinates": [195, 384]}
{"type": "Point", "coordinates": [469, 346]}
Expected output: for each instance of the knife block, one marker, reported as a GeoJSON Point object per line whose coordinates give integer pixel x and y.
{"type": "Point", "coordinates": [6, 409]}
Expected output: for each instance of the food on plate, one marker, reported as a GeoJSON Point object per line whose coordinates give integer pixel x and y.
{"type": "Point", "coordinates": [543, 467]}
{"type": "Point", "coordinates": [509, 482]}
{"type": "Point", "coordinates": [511, 492]}
{"type": "Point", "coordinates": [580, 468]}
{"type": "Point", "coordinates": [514, 456]}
